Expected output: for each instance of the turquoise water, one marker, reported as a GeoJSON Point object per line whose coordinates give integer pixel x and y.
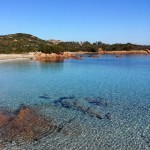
{"type": "Point", "coordinates": [123, 84]}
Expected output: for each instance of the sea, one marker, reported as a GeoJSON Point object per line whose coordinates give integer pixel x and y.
{"type": "Point", "coordinates": [103, 103]}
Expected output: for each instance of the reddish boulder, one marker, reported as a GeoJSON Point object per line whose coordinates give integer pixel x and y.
{"type": "Point", "coordinates": [26, 125]}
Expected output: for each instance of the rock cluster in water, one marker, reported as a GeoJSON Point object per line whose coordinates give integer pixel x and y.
{"type": "Point", "coordinates": [53, 57]}
{"type": "Point", "coordinates": [72, 103]}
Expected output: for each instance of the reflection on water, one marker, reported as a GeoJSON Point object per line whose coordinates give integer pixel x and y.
{"type": "Point", "coordinates": [94, 103]}
{"type": "Point", "coordinates": [53, 66]}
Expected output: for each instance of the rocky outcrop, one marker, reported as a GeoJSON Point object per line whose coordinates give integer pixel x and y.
{"type": "Point", "coordinates": [53, 57]}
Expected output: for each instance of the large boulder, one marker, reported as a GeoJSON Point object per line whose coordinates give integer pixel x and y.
{"type": "Point", "coordinates": [25, 125]}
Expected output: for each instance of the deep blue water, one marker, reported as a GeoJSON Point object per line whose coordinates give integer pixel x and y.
{"type": "Point", "coordinates": [124, 83]}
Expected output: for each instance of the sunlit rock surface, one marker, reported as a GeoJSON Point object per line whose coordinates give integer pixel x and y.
{"type": "Point", "coordinates": [25, 124]}
{"type": "Point", "coordinates": [53, 57]}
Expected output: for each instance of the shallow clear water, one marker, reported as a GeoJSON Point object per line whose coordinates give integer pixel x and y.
{"type": "Point", "coordinates": [123, 83]}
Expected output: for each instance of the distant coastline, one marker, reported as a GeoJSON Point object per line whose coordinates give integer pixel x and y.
{"type": "Point", "coordinates": [21, 43]}
{"type": "Point", "coordinates": [122, 52]}
{"type": "Point", "coordinates": [65, 55]}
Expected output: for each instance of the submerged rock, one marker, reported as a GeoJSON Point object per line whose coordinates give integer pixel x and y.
{"type": "Point", "coordinates": [76, 105]}
{"type": "Point", "coordinates": [3, 120]}
{"type": "Point", "coordinates": [86, 106]}
{"type": "Point", "coordinates": [5, 117]}
{"type": "Point", "coordinates": [67, 97]}
{"type": "Point", "coordinates": [99, 101]}
{"type": "Point", "coordinates": [108, 116]}
{"type": "Point", "coordinates": [61, 101]}
{"type": "Point", "coordinates": [44, 97]}
{"type": "Point", "coordinates": [25, 124]}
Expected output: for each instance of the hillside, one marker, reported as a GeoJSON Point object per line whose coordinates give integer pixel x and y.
{"type": "Point", "coordinates": [21, 43]}
{"type": "Point", "coordinates": [17, 43]}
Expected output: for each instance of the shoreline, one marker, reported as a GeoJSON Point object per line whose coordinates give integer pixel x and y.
{"type": "Point", "coordinates": [132, 52]}
{"type": "Point", "coordinates": [30, 55]}
{"type": "Point", "coordinates": [12, 60]}
{"type": "Point", "coordinates": [33, 55]}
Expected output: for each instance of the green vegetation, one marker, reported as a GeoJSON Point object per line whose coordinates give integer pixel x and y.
{"type": "Point", "coordinates": [120, 47]}
{"type": "Point", "coordinates": [21, 43]}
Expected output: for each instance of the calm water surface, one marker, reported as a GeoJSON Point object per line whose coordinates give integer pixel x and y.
{"type": "Point", "coordinates": [123, 84]}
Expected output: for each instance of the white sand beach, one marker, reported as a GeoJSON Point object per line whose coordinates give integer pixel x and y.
{"type": "Point", "coordinates": [9, 57]}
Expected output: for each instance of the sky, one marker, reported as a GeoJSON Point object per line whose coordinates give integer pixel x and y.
{"type": "Point", "coordinates": [109, 21]}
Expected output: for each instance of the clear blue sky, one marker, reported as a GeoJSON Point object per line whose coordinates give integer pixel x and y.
{"type": "Point", "coordinates": [110, 21]}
